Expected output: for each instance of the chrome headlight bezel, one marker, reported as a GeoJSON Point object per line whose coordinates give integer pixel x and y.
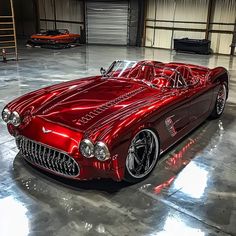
{"type": "Point", "coordinates": [8, 113]}
{"type": "Point", "coordinates": [86, 148]}
{"type": "Point", "coordinates": [101, 151]}
{"type": "Point", "coordinates": [15, 119]}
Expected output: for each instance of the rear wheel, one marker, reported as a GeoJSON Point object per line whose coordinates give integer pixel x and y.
{"type": "Point", "coordinates": [142, 156]}
{"type": "Point", "coordinates": [220, 101]}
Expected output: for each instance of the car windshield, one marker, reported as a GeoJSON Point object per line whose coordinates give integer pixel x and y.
{"type": "Point", "coordinates": [120, 68]}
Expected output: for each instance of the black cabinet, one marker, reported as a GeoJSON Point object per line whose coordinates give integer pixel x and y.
{"type": "Point", "coordinates": [200, 46]}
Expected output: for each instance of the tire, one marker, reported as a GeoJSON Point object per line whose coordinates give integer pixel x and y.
{"type": "Point", "coordinates": [220, 102]}
{"type": "Point", "coordinates": [142, 156]}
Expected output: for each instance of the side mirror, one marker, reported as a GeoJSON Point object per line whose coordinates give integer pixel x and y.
{"type": "Point", "coordinates": [102, 71]}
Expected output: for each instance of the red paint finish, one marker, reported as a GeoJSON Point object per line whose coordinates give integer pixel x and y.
{"type": "Point", "coordinates": [113, 109]}
{"type": "Point", "coordinates": [158, 189]}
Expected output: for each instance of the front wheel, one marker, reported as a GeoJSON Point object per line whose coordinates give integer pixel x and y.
{"type": "Point", "coordinates": [142, 156]}
{"type": "Point", "coordinates": [220, 101]}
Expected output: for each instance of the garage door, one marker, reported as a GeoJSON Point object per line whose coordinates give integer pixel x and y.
{"type": "Point", "coordinates": [107, 22]}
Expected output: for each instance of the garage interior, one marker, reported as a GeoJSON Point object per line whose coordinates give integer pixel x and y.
{"type": "Point", "coordinates": [192, 190]}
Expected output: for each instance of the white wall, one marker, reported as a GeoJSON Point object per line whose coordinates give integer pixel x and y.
{"type": "Point", "coordinates": [188, 11]}
{"type": "Point", "coordinates": [66, 10]}
{"type": "Point", "coordinates": [225, 12]}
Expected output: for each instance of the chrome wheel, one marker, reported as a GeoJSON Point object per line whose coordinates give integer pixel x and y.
{"type": "Point", "coordinates": [142, 154]}
{"type": "Point", "coordinates": [221, 99]}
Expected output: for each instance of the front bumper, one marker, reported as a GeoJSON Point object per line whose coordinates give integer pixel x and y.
{"type": "Point", "coordinates": [54, 148]}
{"type": "Point", "coordinates": [61, 164]}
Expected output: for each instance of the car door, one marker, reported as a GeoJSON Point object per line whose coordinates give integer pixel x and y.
{"type": "Point", "coordinates": [199, 93]}
{"type": "Point", "coordinates": [174, 122]}
{"type": "Point", "coordinates": [201, 97]}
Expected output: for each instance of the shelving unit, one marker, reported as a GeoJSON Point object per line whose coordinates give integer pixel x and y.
{"type": "Point", "coordinates": [8, 34]}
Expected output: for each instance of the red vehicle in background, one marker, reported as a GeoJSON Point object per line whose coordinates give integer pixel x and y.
{"type": "Point", "coordinates": [115, 125]}
{"type": "Point", "coordinates": [55, 39]}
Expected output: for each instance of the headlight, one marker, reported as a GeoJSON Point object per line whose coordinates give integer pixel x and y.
{"type": "Point", "coordinates": [15, 118]}
{"type": "Point", "coordinates": [87, 148]}
{"type": "Point", "coordinates": [6, 115]}
{"type": "Point", "coordinates": [101, 151]}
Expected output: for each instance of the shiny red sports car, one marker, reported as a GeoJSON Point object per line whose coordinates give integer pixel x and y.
{"type": "Point", "coordinates": [115, 125]}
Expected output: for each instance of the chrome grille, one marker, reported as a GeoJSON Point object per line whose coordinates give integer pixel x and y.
{"type": "Point", "coordinates": [47, 157]}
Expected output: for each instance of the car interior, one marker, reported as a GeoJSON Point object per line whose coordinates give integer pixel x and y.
{"type": "Point", "coordinates": [172, 76]}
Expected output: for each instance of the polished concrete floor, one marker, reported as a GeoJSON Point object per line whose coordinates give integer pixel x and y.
{"type": "Point", "coordinates": [192, 191]}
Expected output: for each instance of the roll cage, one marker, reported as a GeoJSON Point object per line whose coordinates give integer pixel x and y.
{"type": "Point", "coordinates": [156, 75]}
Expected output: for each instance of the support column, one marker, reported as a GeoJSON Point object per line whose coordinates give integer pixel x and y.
{"type": "Point", "coordinates": [233, 40]}
{"type": "Point", "coordinates": [55, 14]}
{"type": "Point", "coordinates": [210, 13]}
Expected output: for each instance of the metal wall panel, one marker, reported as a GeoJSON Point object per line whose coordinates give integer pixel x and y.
{"type": "Point", "coordinates": [220, 43]}
{"type": "Point", "coordinates": [107, 22]}
{"type": "Point", "coordinates": [159, 10]}
{"type": "Point", "coordinates": [68, 14]}
{"type": "Point", "coordinates": [225, 12]}
{"type": "Point", "coordinates": [191, 10]}
{"type": "Point", "coordinates": [164, 15]}
{"type": "Point", "coordinates": [169, 19]}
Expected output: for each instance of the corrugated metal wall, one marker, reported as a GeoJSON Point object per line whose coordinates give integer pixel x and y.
{"type": "Point", "coordinates": [69, 14]}
{"type": "Point", "coordinates": [225, 15]}
{"type": "Point", "coordinates": [107, 22]}
{"type": "Point", "coordinates": [169, 19]}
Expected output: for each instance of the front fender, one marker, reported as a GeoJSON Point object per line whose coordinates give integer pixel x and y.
{"type": "Point", "coordinates": [119, 134]}
{"type": "Point", "coordinates": [219, 75]}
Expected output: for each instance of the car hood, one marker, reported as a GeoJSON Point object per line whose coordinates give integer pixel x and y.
{"type": "Point", "coordinates": [81, 108]}
{"type": "Point", "coordinates": [81, 104]}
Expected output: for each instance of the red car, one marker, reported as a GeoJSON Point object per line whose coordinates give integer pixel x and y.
{"type": "Point", "coordinates": [118, 124]}
{"type": "Point", "coordinates": [54, 39]}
